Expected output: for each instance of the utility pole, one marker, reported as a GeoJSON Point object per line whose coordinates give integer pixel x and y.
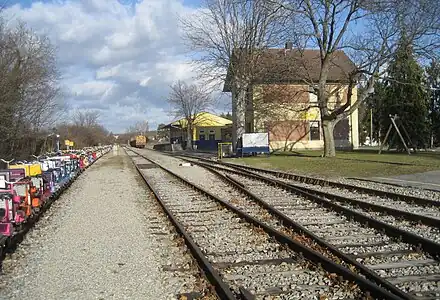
{"type": "Point", "coordinates": [371, 127]}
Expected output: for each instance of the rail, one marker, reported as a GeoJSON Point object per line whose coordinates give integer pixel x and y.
{"type": "Point", "coordinates": [367, 285]}
{"type": "Point", "coordinates": [421, 243]}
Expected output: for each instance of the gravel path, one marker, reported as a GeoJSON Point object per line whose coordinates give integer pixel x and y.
{"type": "Point", "coordinates": [103, 239]}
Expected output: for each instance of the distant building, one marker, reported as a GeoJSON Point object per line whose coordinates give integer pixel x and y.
{"type": "Point", "coordinates": [279, 100]}
{"type": "Point", "coordinates": [209, 130]}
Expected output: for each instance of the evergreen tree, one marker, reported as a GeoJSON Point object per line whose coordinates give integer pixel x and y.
{"type": "Point", "coordinates": [406, 97]}
{"type": "Point", "coordinates": [433, 82]}
{"type": "Point", "coordinates": [226, 116]}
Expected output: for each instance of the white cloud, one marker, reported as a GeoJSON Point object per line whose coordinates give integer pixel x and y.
{"type": "Point", "coordinates": [112, 60]}
{"type": "Point", "coordinates": [92, 88]}
{"type": "Point", "coordinates": [144, 82]}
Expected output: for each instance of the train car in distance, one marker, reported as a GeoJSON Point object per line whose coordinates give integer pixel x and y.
{"type": "Point", "coordinates": [138, 141]}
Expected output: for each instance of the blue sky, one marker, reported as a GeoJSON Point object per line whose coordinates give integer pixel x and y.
{"type": "Point", "coordinates": [113, 59]}
{"type": "Point", "coordinates": [27, 3]}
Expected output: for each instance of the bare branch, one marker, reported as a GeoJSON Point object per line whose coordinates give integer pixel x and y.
{"type": "Point", "coordinates": [188, 102]}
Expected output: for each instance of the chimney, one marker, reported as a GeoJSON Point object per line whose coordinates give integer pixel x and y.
{"type": "Point", "coordinates": [289, 45]}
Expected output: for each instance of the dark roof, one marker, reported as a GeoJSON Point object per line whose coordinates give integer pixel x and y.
{"type": "Point", "coordinates": [296, 66]}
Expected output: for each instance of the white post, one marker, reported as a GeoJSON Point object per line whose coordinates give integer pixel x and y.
{"type": "Point", "coordinates": [371, 126]}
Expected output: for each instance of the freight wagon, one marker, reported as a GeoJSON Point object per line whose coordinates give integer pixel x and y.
{"type": "Point", "coordinates": [139, 141]}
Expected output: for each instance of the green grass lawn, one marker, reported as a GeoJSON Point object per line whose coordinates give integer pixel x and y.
{"type": "Point", "coordinates": [347, 164]}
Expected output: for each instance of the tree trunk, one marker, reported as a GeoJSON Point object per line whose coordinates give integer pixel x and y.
{"type": "Point", "coordinates": [238, 112]}
{"type": "Point", "coordinates": [189, 136]}
{"type": "Point", "coordinates": [329, 140]}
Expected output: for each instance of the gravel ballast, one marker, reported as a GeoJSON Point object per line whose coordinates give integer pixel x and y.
{"type": "Point", "coordinates": [342, 232]}
{"type": "Point", "coordinates": [105, 238]}
{"type": "Point", "coordinates": [404, 190]}
{"type": "Point", "coordinates": [227, 241]}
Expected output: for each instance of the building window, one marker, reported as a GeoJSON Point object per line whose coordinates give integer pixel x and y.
{"type": "Point", "coordinates": [201, 137]}
{"type": "Point", "coordinates": [202, 131]}
{"type": "Point", "coordinates": [315, 131]}
{"type": "Point", "coordinates": [212, 137]}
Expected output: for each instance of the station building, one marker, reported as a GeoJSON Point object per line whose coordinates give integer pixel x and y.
{"type": "Point", "coordinates": [208, 131]}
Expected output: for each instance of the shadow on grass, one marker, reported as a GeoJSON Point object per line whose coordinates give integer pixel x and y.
{"type": "Point", "coordinates": [298, 154]}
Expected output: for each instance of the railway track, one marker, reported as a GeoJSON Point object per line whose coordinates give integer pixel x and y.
{"type": "Point", "coordinates": [362, 186]}
{"type": "Point", "coordinates": [421, 217]}
{"type": "Point", "coordinates": [429, 198]}
{"type": "Point", "coordinates": [247, 268]}
{"type": "Point", "coordinates": [388, 207]}
{"type": "Point", "coordinates": [182, 277]}
{"type": "Point", "coordinates": [401, 264]}
{"type": "Point", "coordinates": [386, 186]}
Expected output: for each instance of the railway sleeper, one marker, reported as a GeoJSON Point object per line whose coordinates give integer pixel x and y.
{"type": "Point", "coordinates": [308, 253]}
{"type": "Point", "coordinates": [369, 273]}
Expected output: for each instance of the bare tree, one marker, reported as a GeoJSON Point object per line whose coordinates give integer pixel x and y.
{"type": "Point", "coordinates": [140, 128]}
{"type": "Point", "coordinates": [369, 32]}
{"type": "Point", "coordinates": [84, 136]}
{"type": "Point", "coordinates": [232, 34]}
{"type": "Point", "coordinates": [86, 118]}
{"type": "Point", "coordinates": [228, 36]}
{"type": "Point", "coordinates": [30, 92]}
{"type": "Point", "coordinates": [188, 102]}
{"type": "Point", "coordinates": [84, 129]}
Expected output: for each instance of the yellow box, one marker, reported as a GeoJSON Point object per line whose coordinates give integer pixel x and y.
{"type": "Point", "coordinates": [34, 169]}
{"type": "Point", "coordinates": [30, 169]}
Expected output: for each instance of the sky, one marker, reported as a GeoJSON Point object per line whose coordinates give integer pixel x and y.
{"type": "Point", "coordinates": [115, 56]}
